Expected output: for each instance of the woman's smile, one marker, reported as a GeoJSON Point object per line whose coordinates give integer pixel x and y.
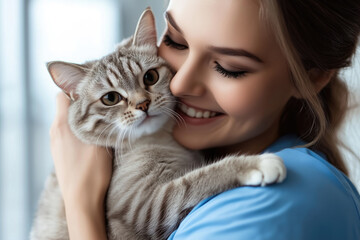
{"type": "Point", "coordinates": [197, 116]}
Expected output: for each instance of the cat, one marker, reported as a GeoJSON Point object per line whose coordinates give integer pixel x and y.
{"type": "Point", "coordinates": [123, 101]}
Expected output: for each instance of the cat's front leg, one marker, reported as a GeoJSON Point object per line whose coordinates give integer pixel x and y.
{"type": "Point", "coordinates": [179, 196]}
{"type": "Point", "coordinates": [264, 169]}
{"type": "Point", "coordinates": [233, 171]}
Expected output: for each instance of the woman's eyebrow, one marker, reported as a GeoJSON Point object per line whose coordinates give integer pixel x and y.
{"type": "Point", "coordinates": [220, 50]}
{"type": "Point", "coordinates": [172, 22]}
{"type": "Point", "coordinates": [235, 52]}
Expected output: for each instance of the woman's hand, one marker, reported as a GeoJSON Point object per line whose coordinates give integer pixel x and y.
{"type": "Point", "coordinates": [83, 172]}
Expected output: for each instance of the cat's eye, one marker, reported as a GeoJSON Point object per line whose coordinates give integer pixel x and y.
{"type": "Point", "coordinates": [111, 98]}
{"type": "Point", "coordinates": [151, 77]}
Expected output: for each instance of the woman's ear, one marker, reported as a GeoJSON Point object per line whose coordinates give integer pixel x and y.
{"type": "Point", "coordinates": [320, 78]}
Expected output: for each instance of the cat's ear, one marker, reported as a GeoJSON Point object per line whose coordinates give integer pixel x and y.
{"type": "Point", "coordinates": [145, 32]}
{"type": "Point", "coordinates": [67, 76]}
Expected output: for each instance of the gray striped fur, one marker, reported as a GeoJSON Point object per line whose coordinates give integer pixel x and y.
{"type": "Point", "coordinates": [155, 181]}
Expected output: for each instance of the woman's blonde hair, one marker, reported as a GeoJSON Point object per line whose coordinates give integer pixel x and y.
{"type": "Point", "coordinates": [321, 35]}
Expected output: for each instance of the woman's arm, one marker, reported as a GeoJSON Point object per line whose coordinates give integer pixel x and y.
{"type": "Point", "coordinates": [85, 222]}
{"type": "Point", "coordinates": [83, 172]}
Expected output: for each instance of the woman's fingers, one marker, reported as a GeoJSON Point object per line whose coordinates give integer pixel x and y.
{"type": "Point", "coordinates": [60, 122]}
{"type": "Point", "coordinates": [62, 106]}
{"type": "Point", "coordinates": [81, 169]}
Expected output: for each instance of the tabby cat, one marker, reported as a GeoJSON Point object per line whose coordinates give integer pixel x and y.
{"type": "Point", "coordinates": [123, 101]}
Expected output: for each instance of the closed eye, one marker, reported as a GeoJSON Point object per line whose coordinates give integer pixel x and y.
{"type": "Point", "coordinates": [227, 73]}
{"type": "Point", "coordinates": [171, 43]}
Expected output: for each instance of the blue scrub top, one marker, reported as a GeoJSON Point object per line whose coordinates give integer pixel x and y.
{"type": "Point", "coordinates": [315, 202]}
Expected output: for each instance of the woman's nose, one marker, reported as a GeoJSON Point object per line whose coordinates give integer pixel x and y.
{"type": "Point", "coordinates": [189, 79]}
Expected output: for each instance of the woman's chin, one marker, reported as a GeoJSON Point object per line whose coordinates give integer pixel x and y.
{"type": "Point", "coordinates": [188, 141]}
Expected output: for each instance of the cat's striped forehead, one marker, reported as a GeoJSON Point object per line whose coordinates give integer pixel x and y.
{"type": "Point", "coordinates": [125, 70]}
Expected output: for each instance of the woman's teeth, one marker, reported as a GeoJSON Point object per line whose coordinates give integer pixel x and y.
{"type": "Point", "coordinates": [191, 112]}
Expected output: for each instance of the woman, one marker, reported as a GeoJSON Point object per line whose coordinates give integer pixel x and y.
{"type": "Point", "coordinates": [269, 69]}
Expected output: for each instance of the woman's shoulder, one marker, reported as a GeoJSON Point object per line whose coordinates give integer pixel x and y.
{"type": "Point", "coordinates": [309, 172]}
{"type": "Point", "coordinates": [315, 201]}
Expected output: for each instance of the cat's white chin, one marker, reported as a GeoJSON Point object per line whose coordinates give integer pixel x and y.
{"type": "Point", "coordinates": [149, 125]}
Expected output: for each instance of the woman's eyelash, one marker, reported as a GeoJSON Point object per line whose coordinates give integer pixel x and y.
{"type": "Point", "coordinates": [227, 73]}
{"type": "Point", "coordinates": [170, 43]}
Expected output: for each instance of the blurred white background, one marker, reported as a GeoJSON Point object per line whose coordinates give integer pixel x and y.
{"type": "Point", "coordinates": [33, 32]}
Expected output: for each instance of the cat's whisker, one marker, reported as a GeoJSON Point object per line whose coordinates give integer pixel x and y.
{"type": "Point", "coordinates": [98, 138]}
{"type": "Point", "coordinates": [171, 99]}
{"type": "Point", "coordinates": [173, 118]}
{"type": "Point", "coordinates": [123, 135]}
{"type": "Point", "coordinates": [109, 135]}
{"type": "Point", "coordinates": [170, 114]}
{"type": "Point", "coordinates": [114, 126]}
{"type": "Point", "coordinates": [168, 104]}
{"type": "Point", "coordinates": [119, 147]}
{"type": "Point", "coordinates": [130, 134]}
{"type": "Point", "coordinates": [174, 115]}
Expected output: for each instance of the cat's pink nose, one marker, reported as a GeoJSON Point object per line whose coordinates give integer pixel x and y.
{"type": "Point", "coordinates": [143, 106]}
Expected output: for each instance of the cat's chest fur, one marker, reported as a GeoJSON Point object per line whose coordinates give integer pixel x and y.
{"type": "Point", "coordinates": [141, 169]}
{"type": "Point", "coordinates": [159, 160]}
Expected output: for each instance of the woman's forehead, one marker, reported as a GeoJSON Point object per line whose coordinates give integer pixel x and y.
{"type": "Point", "coordinates": [229, 23]}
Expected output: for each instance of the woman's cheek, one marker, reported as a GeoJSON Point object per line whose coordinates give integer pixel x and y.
{"type": "Point", "coordinates": [239, 99]}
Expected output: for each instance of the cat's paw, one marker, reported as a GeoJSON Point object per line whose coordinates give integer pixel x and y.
{"type": "Point", "coordinates": [269, 170]}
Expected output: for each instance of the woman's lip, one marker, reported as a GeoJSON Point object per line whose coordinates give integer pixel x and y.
{"type": "Point", "coordinates": [197, 121]}
{"type": "Point", "coordinates": [196, 108]}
